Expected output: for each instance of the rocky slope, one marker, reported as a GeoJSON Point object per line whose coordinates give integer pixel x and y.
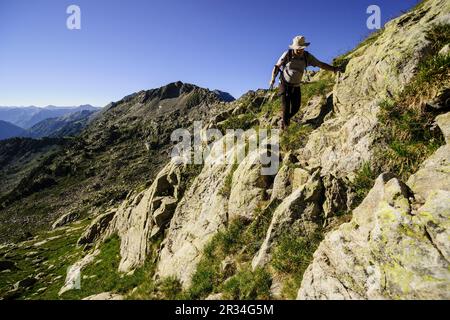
{"type": "Point", "coordinates": [335, 222]}
{"type": "Point", "coordinates": [396, 245]}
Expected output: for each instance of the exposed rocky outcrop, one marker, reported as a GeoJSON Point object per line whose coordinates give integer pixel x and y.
{"type": "Point", "coordinates": [300, 212]}
{"type": "Point", "coordinates": [199, 215]}
{"type": "Point", "coordinates": [65, 219]}
{"type": "Point", "coordinates": [147, 215]}
{"type": "Point", "coordinates": [248, 186]}
{"type": "Point", "coordinates": [97, 228]}
{"type": "Point", "coordinates": [73, 278]}
{"type": "Point", "coordinates": [396, 246]}
{"type": "Point", "coordinates": [338, 196]}
{"type": "Point", "coordinates": [317, 109]}
{"type": "Point", "coordinates": [139, 218]}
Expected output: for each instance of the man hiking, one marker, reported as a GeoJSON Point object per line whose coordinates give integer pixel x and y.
{"type": "Point", "coordinates": [292, 65]}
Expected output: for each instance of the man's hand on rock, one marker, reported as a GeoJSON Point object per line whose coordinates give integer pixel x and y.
{"type": "Point", "coordinates": [339, 69]}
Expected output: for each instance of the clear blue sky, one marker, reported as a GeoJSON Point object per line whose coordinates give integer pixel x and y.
{"type": "Point", "coordinates": [129, 45]}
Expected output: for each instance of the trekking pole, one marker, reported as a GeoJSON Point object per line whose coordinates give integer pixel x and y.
{"type": "Point", "coordinates": [264, 101]}
{"type": "Point", "coordinates": [267, 95]}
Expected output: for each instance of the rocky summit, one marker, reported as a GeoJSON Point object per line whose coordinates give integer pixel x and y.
{"type": "Point", "coordinates": [358, 208]}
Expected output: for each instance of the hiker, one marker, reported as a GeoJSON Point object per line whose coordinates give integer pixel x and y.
{"type": "Point", "coordinates": [292, 65]}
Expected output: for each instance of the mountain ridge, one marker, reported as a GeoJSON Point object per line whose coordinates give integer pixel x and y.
{"type": "Point", "coordinates": [26, 117]}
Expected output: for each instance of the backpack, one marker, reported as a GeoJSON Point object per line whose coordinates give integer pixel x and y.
{"type": "Point", "coordinates": [290, 55]}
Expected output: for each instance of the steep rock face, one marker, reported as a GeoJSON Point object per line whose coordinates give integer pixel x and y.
{"type": "Point", "coordinates": [248, 187]}
{"type": "Point", "coordinates": [376, 71]}
{"type": "Point", "coordinates": [299, 211]}
{"type": "Point", "coordinates": [396, 246]}
{"type": "Point", "coordinates": [221, 193]}
{"type": "Point", "coordinates": [198, 216]}
{"type": "Point", "coordinates": [139, 217]}
{"type": "Point", "coordinates": [152, 210]}
{"type": "Point", "coordinates": [435, 171]}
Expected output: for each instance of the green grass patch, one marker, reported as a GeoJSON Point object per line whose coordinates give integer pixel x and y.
{"type": "Point", "coordinates": [170, 288]}
{"type": "Point", "coordinates": [102, 275]}
{"type": "Point", "coordinates": [243, 121]}
{"type": "Point", "coordinates": [209, 275]}
{"type": "Point", "coordinates": [248, 285]}
{"type": "Point", "coordinates": [291, 258]}
{"type": "Point", "coordinates": [362, 183]}
{"type": "Point", "coordinates": [271, 108]}
{"type": "Point", "coordinates": [406, 139]}
{"type": "Point", "coordinates": [321, 87]}
{"type": "Point", "coordinates": [50, 261]}
{"type": "Point", "coordinates": [256, 232]}
{"type": "Point", "coordinates": [433, 71]}
{"type": "Point", "coordinates": [295, 136]}
{"type": "Point", "coordinates": [226, 188]}
{"type": "Point", "coordinates": [240, 241]}
{"type": "Point", "coordinates": [405, 136]}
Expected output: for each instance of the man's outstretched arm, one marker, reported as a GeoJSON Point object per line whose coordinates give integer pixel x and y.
{"type": "Point", "coordinates": [313, 61]}
{"type": "Point", "coordinates": [326, 66]}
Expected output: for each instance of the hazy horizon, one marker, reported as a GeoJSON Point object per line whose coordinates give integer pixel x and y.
{"type": "Point", "coordinates": [50, 105]}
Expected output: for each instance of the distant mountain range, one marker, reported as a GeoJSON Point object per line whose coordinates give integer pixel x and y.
{"type": "Point", "coordinates": [9, 130]}
{"type": "Point", "coordinates": [70, 123]}
{"type": "Point", "coordinates": [27, 117]}
{"type": "Point", "coordinates": [67, 125]}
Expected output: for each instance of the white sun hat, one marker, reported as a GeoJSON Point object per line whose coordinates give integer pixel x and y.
{"type": "Point", "coordinates": [299, 42]}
